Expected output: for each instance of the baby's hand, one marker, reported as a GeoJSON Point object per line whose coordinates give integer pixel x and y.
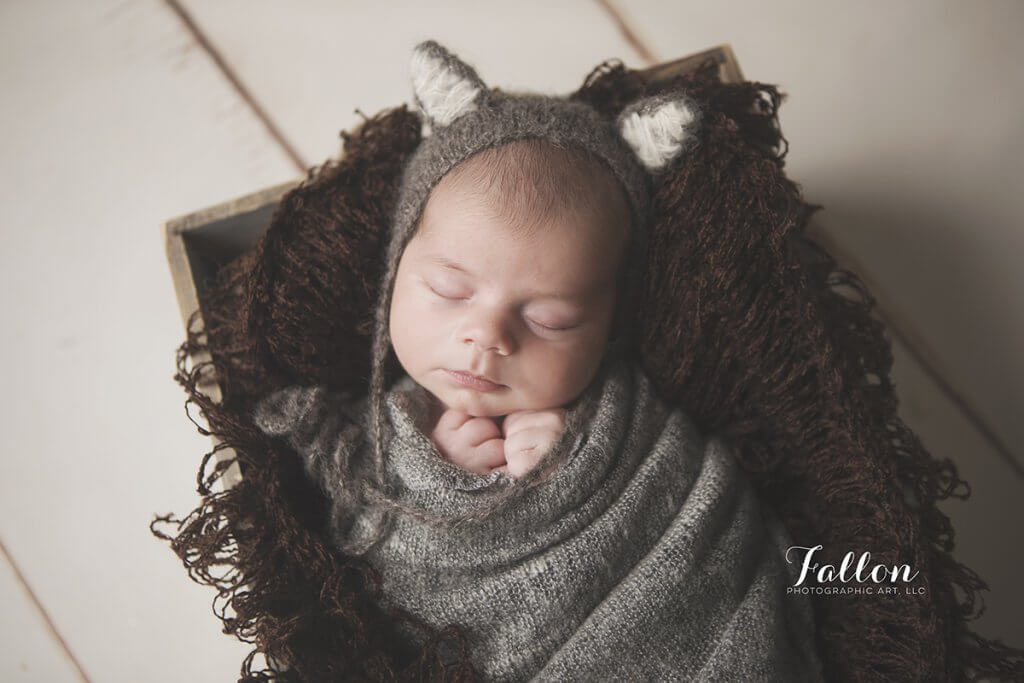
{"type": "Point", "coordinates": [529, 434]}
{"type": "Point", "coordinates": [472, 443]}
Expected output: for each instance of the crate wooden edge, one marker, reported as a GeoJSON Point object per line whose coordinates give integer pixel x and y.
{"type": "Point", "coordinates": [186, 291]}
{"type": "Point", "coordinates": [175, 229]}
{"type": "Point", "coordinates": [729, 68]}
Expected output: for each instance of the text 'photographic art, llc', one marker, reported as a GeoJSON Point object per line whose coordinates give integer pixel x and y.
{"type": "Point", "coordinates": [853, 576]}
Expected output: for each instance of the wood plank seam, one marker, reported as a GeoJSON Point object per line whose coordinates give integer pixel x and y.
{"type": "Point", "coordinates": [641, 48]}
{"type": "Point", "coordinates": [272, 128]}
{"type": "Point", "coordinates": [20, 578]}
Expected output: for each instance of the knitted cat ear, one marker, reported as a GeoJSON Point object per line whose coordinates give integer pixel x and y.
{"type": "Point", "coordinates": [444, 86]}
{"type": "Point", "coordinates": [659, 128]}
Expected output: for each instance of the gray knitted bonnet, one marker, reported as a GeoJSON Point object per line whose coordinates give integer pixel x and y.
{"type": "Point", "coordinates": [461, 116]}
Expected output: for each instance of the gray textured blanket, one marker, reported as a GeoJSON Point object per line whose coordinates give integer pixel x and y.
{"type": "Point", "coordinates": [638, 551]}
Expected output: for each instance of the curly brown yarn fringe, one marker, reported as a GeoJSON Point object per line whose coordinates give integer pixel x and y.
{"type": "Point", "coordinates": [311, 612]}
{"type": "Point", "coordinates": [774, 346]}
{"type": "Point", "coordinates": [768, 343]}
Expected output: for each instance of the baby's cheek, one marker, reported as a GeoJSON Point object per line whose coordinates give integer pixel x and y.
{"type": "Point", "coordinates": [561, 377]}
{"type": "Point", "coordinates": [411, 327]}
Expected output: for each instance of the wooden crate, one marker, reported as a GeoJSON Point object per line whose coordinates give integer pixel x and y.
{"type": "Point", "coordinates": [199, 243]}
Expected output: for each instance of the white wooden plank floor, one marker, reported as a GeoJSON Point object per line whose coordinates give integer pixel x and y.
{"type": "Point", "coordinates": [312, 64]}
{"type": "Point", "coordinates": [986, 525]}
{"type": "Point", "coordinates": [119, 117]}
{"type": "Point", "coordinates": [112, 123]}
{"type": "Point", "coordinates": [30, 650]}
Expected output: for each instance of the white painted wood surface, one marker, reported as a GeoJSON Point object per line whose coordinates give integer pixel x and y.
{"type": "Point", "coordinates": [112, 123]}
{"type": "Point", "coordinates": [313, 63]}
{"type": "Point", "coordinates": [29, 651]}
{"type": "Point", "coordinates": [987, 525]}
{"type": "Point", "coordinates": [116, 121]}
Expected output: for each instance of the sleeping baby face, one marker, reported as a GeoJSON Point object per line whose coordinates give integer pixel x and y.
{"type": "Point", "coordinates": [525, 305]}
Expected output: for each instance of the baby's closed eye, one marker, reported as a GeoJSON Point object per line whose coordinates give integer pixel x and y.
{"type": "Point", "coordinates": [446, 289]}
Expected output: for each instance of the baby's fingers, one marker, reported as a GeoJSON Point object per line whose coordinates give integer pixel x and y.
{"type": "Point", "coordinates": [451, 420]}
{"type": "Point", "coordinates": [532, 443]}
{"type": "Point", "coordinates": [486, 456]}
{"type": "Point", "coordinates": [476, 431]}
{"type": "Point", "coordinates": [553, 419]}
{"type": "Point", "coordinates": [523, 451]}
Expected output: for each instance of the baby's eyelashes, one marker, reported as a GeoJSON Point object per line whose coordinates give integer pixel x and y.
{"type": "Point", "coordinates": [453, 292]}
{"type": "Point", "coordinates": [446, 291]}
{"type": "Point", "coordinates": [552, 327]}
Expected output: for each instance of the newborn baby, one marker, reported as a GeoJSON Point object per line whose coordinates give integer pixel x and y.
{"type": "Point", "coordinates": [524, 479]}
{"type": "Point", "coordinates": [504, 298]}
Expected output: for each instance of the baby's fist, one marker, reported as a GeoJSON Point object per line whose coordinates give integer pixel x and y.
{"type": "Point", "coordinates": [529, 434]}
{"type": "Point", "coordinates": [472, 443]}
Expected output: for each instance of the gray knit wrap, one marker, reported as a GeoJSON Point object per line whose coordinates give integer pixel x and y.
{"type": "Point", "coordinates": [646, 554]}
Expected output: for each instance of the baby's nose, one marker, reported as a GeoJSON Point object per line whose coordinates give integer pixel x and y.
{"type": "Point", "coordinates": [489, 332]}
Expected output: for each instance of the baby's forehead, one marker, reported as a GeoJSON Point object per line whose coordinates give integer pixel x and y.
{"type": "Point", "coordinates": [523, 212]}
{"type": "Point", "coordinates": [537, 170]}
{"type": "Point", "coordinates": [451, 210]}
{"type": "Point", "coordinates": [537, 195]}
{"type": "Point", "coordinates": [557, 256]}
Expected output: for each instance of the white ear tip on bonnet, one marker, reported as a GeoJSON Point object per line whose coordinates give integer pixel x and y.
{"type": "Point", "coordinates": [658, 129]}
{"type": "Point", "coordinates": [445, 87]}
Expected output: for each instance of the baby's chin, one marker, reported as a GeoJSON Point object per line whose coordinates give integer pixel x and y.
{"type": "Point", "coordinates": [479, 405]}
{"type": "Point", "coordinates": [489, 404]}
{"type": "Point", "coordinates": [476, 403]}
{"type": "Point", "coordinates": [498, 403]}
